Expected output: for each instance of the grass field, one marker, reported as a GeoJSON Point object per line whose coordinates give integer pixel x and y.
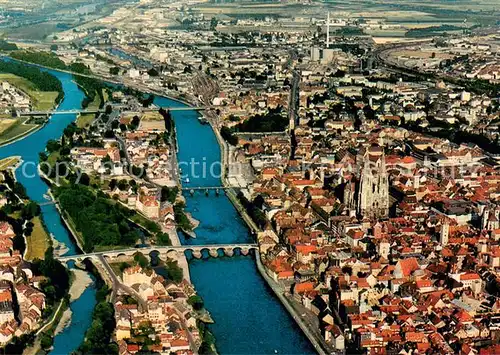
{"type": "Point", "coordinates": [52, 158]}
{"type": "Point", "coordinates": [15, 129]}
{"type": "Point", "coordinates": [6, 123]}
{"type": "Point", "coordinates": [8, 162]}
{"type": "Point", "coordinates": [85, 120]}
{"type": "Point", "coordinates": [42, 100]}
{"type": "Point", "coordinates": [38, 242]}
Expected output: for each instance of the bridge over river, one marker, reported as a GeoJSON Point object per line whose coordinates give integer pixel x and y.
{"type": "Point", "coordinates": [165, 251]}
{"type": "Point", "coordinates": [84, 112]}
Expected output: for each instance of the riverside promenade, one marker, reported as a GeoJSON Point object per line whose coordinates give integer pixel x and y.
{"type": "Point", "coordinates": [278, 291]}
{"type": "Point", "coordinates": [311, 335]}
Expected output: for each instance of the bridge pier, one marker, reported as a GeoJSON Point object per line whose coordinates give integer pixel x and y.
{"type": "Point", "coordinates": [164, 252]}
{"type": "Point", "coordinates": [214, 253]}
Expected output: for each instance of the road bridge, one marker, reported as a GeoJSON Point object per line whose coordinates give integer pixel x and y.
{"type": "Point", "coordinates": [85, 112]}
{"type": "Point", "coordinates": [197, 188]}
{"type": "Point", "coordinates": [165, 251]}
{"type": "Point", "coordinates": [47, 203]}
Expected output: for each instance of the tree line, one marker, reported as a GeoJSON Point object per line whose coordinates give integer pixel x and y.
{"type": "Point", "coordinates": [100, 221]}
{"type": "Point", "coordinates": [42, 81]}
{"type": "Point", "coordinates": [92, 87]}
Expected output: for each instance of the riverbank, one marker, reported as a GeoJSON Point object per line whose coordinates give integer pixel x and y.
{"type": "Point", "coordinates": [261, 268]}
{"type": "Point", "coordinates": [48, 328]}
{"type": "Point", "coordinates": [22, 135]}
{"type": "Point", "coordinates": [291, 310]}
{"type": "Point", "coordinates": [144, 89]}
{"type": "Point", "coordinates": [248, 317]}
{"type": "Point", "coordinates": [31, 131]}
{"type": "Point", "coordinates": [72, 231]}
{"type": "Point", "coordinates": [81, 280]}
{"type": "Point", "coordinates": [64, 321]}
{"type": "Point", "coordinates": [11, 163]}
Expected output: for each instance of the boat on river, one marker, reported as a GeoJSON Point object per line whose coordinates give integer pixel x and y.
{"type": "Point", "coordinates": [202, 119]}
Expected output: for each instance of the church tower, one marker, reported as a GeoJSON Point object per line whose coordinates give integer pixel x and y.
{"type": "Point", "coordinates": [373, 199]}
{"type": "Point", "coordinates": [445, 233]}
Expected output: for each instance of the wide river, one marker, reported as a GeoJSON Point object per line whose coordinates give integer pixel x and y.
{"type": "Point", "coordinates": [248, 317]}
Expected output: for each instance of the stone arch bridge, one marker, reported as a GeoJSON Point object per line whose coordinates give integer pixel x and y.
{"type": "Point", "coordinates": [164, 251]}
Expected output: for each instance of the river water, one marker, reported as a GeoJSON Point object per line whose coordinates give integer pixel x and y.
{"type": "Point", "coordinates": [248, 317]}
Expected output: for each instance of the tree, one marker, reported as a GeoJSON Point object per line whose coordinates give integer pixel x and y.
{"type": "Point", "coordinates": [163, 239]}
{"type": "Point", "coordinates": [196, 302]}
{"type": "Point", "coordinates": [174, 272]}
{"type": "Point", "coordinates": [98, 336]}
{"type": "Point", "coordinates": [135, 122]}
{"type": "Point", "coordinates": [112, 184]}
{"type": "Point", "coordinates": [153, 72]}
{"type": "Point", "coordinates": [228, 136]}
{"type": "Point", "coordinates": [85, 179]}
{"type": "Point", "coordinates": [98, 219]}
{"type": "Point", "coordinates": [30, 210]}
{"type": "Point", "coordinates": [169, 193]}
{"type": "Point", "coordinates": [7, 46]}
{"type": "Point", "coordinates": [213, 23]}
{"type": "Point", "coordinates": [167, 118]}
{"type": "Point", "coordinates": [57, 275]}
{"type": "Point", "coordinates": [106, 159]}
{"type": "Point", "coordinates": [124, 265]}
{"type": "Point", "coordinates": [53, 146]}
{"type": "Point", "coordinates": [46, 341]}
{"type": "Point", "coordinates": [141, 260]}
{"type": "Point", "coordinates": [114, 70]}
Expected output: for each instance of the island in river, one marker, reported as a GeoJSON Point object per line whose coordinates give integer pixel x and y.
{"type": "Point", "coordinates": [259, 312]}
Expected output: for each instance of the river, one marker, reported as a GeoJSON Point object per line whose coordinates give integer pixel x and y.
{"type": "Point", "coordinates": [248, 317]}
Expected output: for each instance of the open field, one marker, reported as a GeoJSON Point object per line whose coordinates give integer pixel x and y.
{"type": "Point", "coordinates": [85, 120]}
{"type": "Point", "coordinates": [421, 54]}
{"type": "Point", "coordinates": [38, 242]}
{"type": "Point", "coordinates": [8, 162]}
{"type": "Point", "coordinates": [42, 100]}
{"type": "Point", "coordinates": [6, 123]}
{"type": "Point", "coordinates": [16, 129]}
{"type": "Point", "coordinates": [407, 13]}
{"type": "Point", "coordinates": [152, 121]}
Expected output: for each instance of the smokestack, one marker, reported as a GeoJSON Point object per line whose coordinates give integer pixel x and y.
{"type": "Point", "coordinates": [328, 30]}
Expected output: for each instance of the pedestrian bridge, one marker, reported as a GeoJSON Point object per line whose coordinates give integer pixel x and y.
{"type": "Point", "coordinates": [198, 251]}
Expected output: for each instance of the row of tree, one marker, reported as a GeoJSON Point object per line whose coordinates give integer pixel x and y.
{"type": "Point", "coordinates": [92, 87]}
{"type": "Point", "coordinates": [42, 81]}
